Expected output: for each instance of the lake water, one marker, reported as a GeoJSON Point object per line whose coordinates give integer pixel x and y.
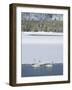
{"type": "Point", "coordinates": [28, 70]}
{"type": "Point", "coordinates": [46, 49]}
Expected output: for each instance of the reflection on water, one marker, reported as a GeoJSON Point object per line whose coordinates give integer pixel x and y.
{"type": "Point", "coordinates": [28, 70]}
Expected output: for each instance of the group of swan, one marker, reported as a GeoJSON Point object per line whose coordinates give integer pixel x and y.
{"type": "Point", "coordinates": [39, 64]}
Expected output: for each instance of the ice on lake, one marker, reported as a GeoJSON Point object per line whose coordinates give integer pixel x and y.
{"type": "Point", "coordinates": [46, 48]}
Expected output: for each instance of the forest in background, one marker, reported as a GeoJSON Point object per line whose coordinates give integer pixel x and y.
{"type": "Point", "coordinates": [34, 22]}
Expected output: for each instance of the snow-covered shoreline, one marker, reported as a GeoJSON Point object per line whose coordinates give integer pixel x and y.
{"type": "Point", "coordinates": [43, 33]}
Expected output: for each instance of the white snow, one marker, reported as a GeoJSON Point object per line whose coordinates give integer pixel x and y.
{"type": "Point", "coordinates": [47, 49]}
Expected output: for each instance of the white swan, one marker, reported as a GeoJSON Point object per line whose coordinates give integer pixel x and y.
{"type": "Point", "coordinates": [36, 64]}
